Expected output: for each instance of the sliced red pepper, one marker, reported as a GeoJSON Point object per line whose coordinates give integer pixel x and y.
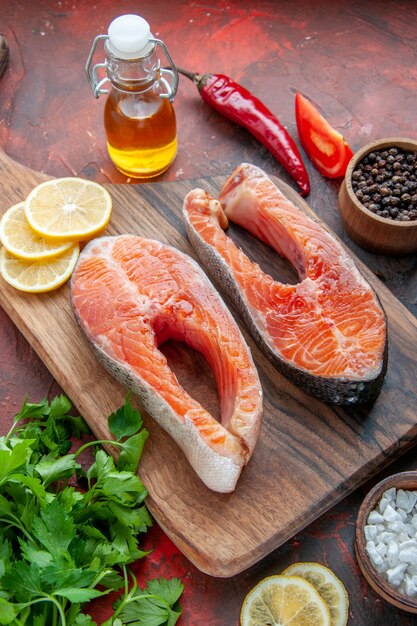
{"type": "Point", "coordinates": [325, 146]}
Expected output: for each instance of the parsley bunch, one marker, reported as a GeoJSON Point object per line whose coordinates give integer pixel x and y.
{"type": "Point", "coordinates": [60, 547]}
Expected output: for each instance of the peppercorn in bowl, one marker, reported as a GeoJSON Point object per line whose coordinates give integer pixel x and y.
{"type": "Point", "coordinates": [378, 197]}
{"type": "Point", "coordinates": [385, 540]}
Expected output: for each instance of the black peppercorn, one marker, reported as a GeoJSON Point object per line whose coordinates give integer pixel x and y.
{"type": "Point", "coordinates": [385, 182]}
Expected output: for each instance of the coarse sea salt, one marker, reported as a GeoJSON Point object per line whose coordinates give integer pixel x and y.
{"type": "Point", "coordinates": [391, 539]}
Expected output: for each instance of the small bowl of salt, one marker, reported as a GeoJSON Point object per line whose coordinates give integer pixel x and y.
{"type": "Point", "coordinates": [386, 540]}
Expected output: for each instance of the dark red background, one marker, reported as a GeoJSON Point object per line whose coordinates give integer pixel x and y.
{"type": "Point", "coordinates": [355, 60]}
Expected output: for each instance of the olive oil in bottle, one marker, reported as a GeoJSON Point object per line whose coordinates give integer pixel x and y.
{"type": "Point", "coordinates": [141, 133]}
{"type": "Point", "coordinates": [139, 118]}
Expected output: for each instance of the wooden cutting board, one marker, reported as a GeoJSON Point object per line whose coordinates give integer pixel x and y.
{"type": "Point", "coordinates": [309, 455]}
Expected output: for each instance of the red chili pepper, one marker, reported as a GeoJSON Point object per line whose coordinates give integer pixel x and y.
{"type": "Point", "coordinates": [237, 104]}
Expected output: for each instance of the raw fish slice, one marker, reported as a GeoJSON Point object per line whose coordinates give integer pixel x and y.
{"type": "Point", "coordinates": [328, 332]}
{"type": "Point", "coordinates": [131, 294]}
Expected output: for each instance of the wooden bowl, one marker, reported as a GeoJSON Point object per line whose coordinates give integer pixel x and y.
{"type": "Point", "coordinates": [370, 231]}
{"type": "Point", "coordinates": [403, 480]}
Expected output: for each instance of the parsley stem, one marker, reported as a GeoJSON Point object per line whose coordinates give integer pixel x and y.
{"type": "Point", "coordinates": [16, 524]}
{"type": "Point", "coordinates": [127, 593]}
{"type": "Point", "coordinates": [60, 610]}
{"type": "Point", "coordinates": [94, 443]}
{"type": "Point", "coordinates": [126, 579]}
{"type": "Point", "coordinates": [11, 431]}
{"type": "Point", "coordinates": [134, 582]}
{"type": "Point", "coordinates": [54, 615]}
{"type": "Point", "coordinates": [48, 598]}
{"type": "Point", "coordinates": [97, 579]}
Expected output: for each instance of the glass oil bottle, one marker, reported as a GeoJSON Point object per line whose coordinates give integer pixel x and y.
{"type": "Point", "coordinates": [139, 117]}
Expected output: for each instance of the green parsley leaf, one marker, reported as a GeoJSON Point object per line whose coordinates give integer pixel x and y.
{"type": "Point", "coordinates": [5, 506]}
{"type": "Point", "coordinates": [123, 540]}
{"type": "Point", "coordinates": [160, 609]}
{"type": "Point", "coordinates": [6, 554]}
{"type": "Point", "coordinates": [31, 553]}
{"type": "Point", "coordinates": [11, 460]}
{"type": "Point", "coordinates": [70, 498]}
{"type": "Point", "coordinates": [34, 486]}
{"type": "Point", "coordinates": [54, 528]}
{"type": "Point", "coordinates": [112, 581]}
{"type": "Point", "coordinates": [25, 581]}
{"type": "Point", "coordinates": [75, 594]}
{"type": "Point", "coordinates": [78, 426]}
{"type": "Point", "coordinates": [169, 590]}
{"type": "Point", "coordinates": [104, 464]}
{"type": "Point", "coordinates": [8, 611]}
{"type": "Point", "coordinates": [61, 574]}
{"type": "Point", "coordinates": [94, 532]}
{"type": "Point", "coordinates": [143, 612]}
{"type": "Point", "coordinates": [137, 518]}
{"type": "Point", "coordinates": [60, 406]}
{"type": "Point", "coordinates": [131, 451]}
{"type": "Point", "coordinates": [124, 487]}
{"type": "Point", "coordinates": [126, 421]}
{"type": "Point", "coordinates": [84, 620]}
{"type": "Point", "coordinates": [31, 411]}
{"type": "Point", "coordinates": [56, 469]}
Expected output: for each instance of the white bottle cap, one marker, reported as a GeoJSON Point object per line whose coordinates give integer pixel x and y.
{"type": "Point", "coordinates": [129, 36]}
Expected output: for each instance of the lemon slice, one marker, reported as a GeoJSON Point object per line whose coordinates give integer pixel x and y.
{"type": "Point", "coordinates": [38, 276]}
{"type": "Point", "coordinates": [328, 586]}
{"type": "Point", "coordinates": [68, 209]}
{"type": "Point", "coordinates": [19, 239]}
{"type": "Point", "coordinates": [282, 601]}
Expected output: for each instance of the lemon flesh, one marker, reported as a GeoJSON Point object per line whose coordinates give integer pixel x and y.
{"type": "Point", "coordinates": [284, 601]}
{"type": "Point", "coordinates": [21, 241]}
{"type": "Point", "coordinates": [328, 586]}
{"type": "Point", "coordinates": [38, 276]}
{"type": "Point", "coordinates": [68, 209]}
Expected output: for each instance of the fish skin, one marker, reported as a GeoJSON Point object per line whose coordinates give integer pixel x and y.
{"type": "Point", "coordinates": [205, 218]}
{"type": "Point", "coordinates": [127, 299]}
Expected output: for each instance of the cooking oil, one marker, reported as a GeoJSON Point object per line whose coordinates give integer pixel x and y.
{"type": "Point", "coordinates": [141, 133]}
{"type": "Point", "coordinates": [139, 117]}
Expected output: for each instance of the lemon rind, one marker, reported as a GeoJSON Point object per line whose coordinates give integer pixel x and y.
{"type": "Point", "coordinates": [37, 288]}
{"type": "Point", "coordinates": [27, 256]}
{"type": "Point", "coordinates": [263, 583]}
{"type": "Point", "coordinates": [332, 576]}
{"type": "Point", "coordinates": [73, 236]}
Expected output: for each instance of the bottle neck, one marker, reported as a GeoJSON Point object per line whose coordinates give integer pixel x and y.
{"type": "Point", "coordinates": [133, 75]}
